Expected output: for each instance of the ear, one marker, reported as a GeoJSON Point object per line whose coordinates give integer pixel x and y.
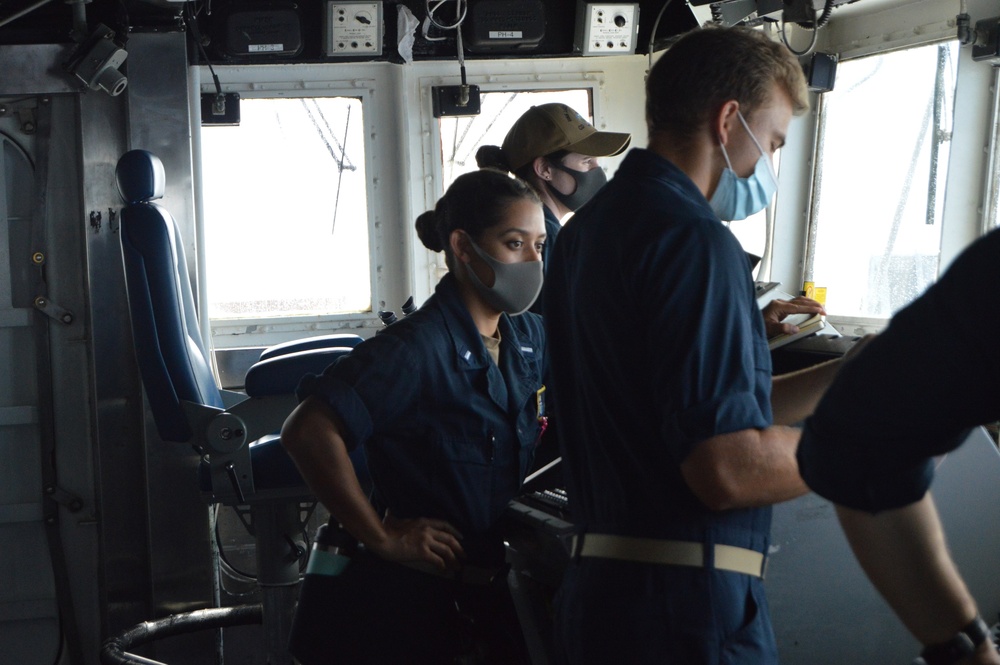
{"type": "Point", "coordinates": [460, 248]}
{"type": "Point", "coordinates": [542, 168]}
{"type": "Point", "coordinates": [724, 121]}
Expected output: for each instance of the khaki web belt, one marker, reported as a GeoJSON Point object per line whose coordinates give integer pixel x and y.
{"type": "Point", "coordinates": [669, 553]}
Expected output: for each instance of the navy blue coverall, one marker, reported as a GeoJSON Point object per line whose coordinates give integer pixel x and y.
{"type": "Point", "coordinates": [447, 435]}
{"type": "Point", "coordinates": [912, 393]}
{"type": "Point", "coordinates": [656, 344]}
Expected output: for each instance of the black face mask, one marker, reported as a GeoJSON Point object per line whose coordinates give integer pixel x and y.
{"type": "Point", "coordinates": [587, 184]}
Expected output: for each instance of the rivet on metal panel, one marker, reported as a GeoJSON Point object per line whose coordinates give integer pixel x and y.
{"type": "Point", "coordinates": [38, 258]}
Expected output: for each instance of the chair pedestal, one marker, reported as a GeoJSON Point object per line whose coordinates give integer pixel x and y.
{"type": "Point", "coordinates": [276, 529]}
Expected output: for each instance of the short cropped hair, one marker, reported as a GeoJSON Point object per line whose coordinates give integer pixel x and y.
{"type": "Point", "coordinates": [708, 67]}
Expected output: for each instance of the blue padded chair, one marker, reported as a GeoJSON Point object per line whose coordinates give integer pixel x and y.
{"type": "Point", "coordinates": [243, 461]}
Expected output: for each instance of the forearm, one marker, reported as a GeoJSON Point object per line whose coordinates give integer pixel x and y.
{"type": "Point", "coordinates": [794, 395]}
{"type": "Point", "coordinates": [904, 554]}
{"type": "Point", "coordinates": [745, 469]}
{"type": "Point", "coordinates": [312, 437]}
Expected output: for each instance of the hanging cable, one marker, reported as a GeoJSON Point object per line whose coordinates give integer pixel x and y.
{"type": "Point", "coordinates": [812, 40]}
{"type": "Point", "coordinates": [824, 18]}
{"type": "Point", "coordinates": [461, 8]}
{"type": "Point", "coordinates": [219, 104]}
{"type": "Point", "coordinates": [819, 21]}
{"type": "Point", "coordinates": [652, 34]}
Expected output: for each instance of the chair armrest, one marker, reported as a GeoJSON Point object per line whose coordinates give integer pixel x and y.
{"type": "Point", "coordinates": [280, 375]}
{"type": "Point", "coordinates": [225, 434]}
{"type": "Point", "coordinates": [323, 341]}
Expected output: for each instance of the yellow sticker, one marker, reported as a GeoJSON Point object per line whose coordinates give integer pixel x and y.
{"type": "Point", "coordinates": [808, 290]}
{"type": "Point", "coordinates": [540, 401]}
{"type": "Point", "coordinates": [820, 295]}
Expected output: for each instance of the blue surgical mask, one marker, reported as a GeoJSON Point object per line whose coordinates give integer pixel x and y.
{"type": "Point", "coordinates": [515, 285]}
{"type": "Point", "coordinates": [737, 198]}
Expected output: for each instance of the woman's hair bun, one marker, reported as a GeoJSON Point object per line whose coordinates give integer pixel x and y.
{"type": "Point", "coordinates": [428, 232]}
{"type": "Point", "coordinates": [492, 157]}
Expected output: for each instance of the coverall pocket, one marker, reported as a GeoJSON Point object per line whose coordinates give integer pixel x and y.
{"type": "Point", "coordinates": [752, 642]}
{"type": "Point", "coordinates": [468, 469]}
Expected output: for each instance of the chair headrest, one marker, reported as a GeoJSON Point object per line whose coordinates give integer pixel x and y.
{"type": "Point", "coordinates": [140, 176]}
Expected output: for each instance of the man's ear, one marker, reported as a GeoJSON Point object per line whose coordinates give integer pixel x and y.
{"type": "Point", "coordinates": [724, 120]}
{"type": "Point", "coordinates": [460, 248]}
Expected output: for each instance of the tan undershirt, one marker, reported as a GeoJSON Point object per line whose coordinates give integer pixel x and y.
{"type": "Point", "coordinates": [492, 345]}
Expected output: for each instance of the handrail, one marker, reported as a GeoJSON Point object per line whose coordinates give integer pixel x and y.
{"type": "Point", "coordinates": [114, 650]}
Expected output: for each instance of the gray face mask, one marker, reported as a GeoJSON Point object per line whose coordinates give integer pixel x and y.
{"type": "Point", "coordinates": [588, 183]}
{"type": "Point", "coordinates": [515, 285]}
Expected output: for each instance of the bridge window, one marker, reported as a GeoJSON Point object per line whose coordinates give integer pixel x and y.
{"type": "Point", "coordinates": [286, 210]}
{"type": "Point", "coordinates": [461, 136]}
{"type": "Point", "coordinates": [882, 160]}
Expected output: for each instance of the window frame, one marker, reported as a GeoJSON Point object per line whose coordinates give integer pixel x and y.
{"type": "Point", "coordinates": [963, 180]}
{"type": "Point", "coordinates": [991, 187]}
{"type": "Point", "coordinates": [864, 324]}
{"type": "Point", "coordinates": [265, 331]}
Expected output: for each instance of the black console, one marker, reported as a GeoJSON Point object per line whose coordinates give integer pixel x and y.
{"type": "Point", "coordinates": [810, 351]}
{"type": "Point", "coordinates": [538, 533]}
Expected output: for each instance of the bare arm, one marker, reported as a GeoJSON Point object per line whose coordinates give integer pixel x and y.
{"type": "Point", "coordinates": [312, 435]}
{"type": "Point", "coordinates": [904, 554]}
{"type": "Point", "coordinates": [745, 469]}
{"type": "Point", "coordinates": [794, 395]}
{"type": "Point", "coordinates": [758, 467]}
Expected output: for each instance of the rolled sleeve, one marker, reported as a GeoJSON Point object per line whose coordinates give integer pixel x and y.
{"type": "Point", "coordinates": [348, 406]}
{"type": "Point", "coordinates": [728, 413]}
{"type": "Point", "coordinates": [369, 389]}
{"type": "Point", "coordinates": [866, 486]}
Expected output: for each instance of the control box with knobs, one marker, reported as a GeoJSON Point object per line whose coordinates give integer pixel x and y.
{"type": "Point", "coordinates": [606, 28]}
{"type": "Point", "coordinates": [352, 29]}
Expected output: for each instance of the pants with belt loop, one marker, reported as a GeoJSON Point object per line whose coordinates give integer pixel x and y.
{"type": "Point", "coordinates": [637, 613]}
{"type": "Point", "coordinates": [376, 613]}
